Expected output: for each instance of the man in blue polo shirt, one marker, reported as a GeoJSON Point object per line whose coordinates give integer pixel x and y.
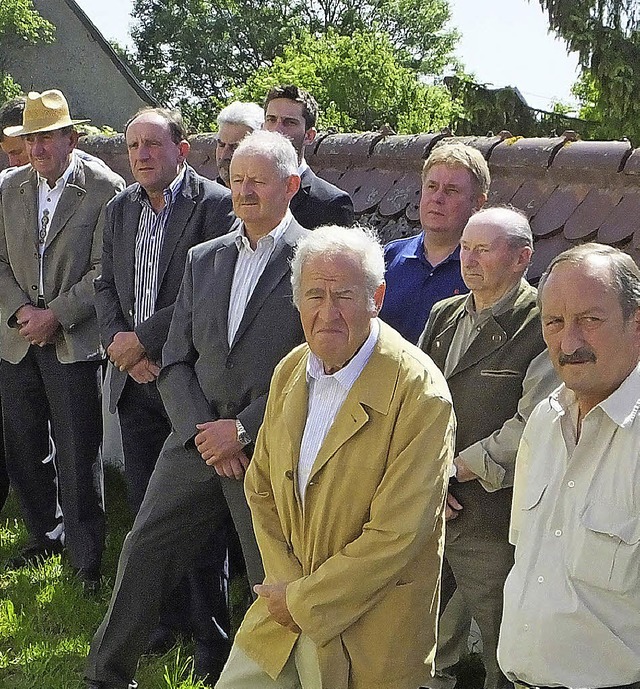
{"type": "Point", "coordinates": [424, 269]}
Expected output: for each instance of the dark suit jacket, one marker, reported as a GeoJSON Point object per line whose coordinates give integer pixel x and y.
{"type": "Point", "coordinates": [202, 211]}
{"type": "Point", "coordinates": [202, 378]}
{"type": "Point", "coordinates": [319, 203]}
{"type": "Point", "coordinates": [486, 387]}
{"type": "Point", "coordinates": [73, 251]}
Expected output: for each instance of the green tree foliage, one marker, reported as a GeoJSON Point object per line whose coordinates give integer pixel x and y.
{"type": "Point", "coordinates": [606, 35]}
{"type": "Point", "coordinates": [20, 24]}
{"type": "Point", "coordinates": [358, 81]}
{"type": "Point", "coordinates": [195, 53]}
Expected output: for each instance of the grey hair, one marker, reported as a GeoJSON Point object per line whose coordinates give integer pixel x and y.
{"type": "Point", "coordinates": [625, 274]}
{"type": "Point", "coordinates": [512, 221]}
{"type": "Point", "coordinates": [271, 145]}
{"type": "Point", "coordinates": [332, 240]}
{"type": "Point", "coordinates": [249, 115]}
{"type": "Point", "coordinates": [457, 154]}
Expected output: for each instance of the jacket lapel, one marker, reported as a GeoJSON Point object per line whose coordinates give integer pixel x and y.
{"type": "Point", "coordinates": [71, 197]}
{"type": "Point", "coordinates": [224, 263]}
{"type": "Point", "coordinates": [303, 192]}
{"type": "Point", "coordinates": [373, 389]}
{"type": "Point", "coordinates": [276, 269]}
{"type": "Point", "coordinates": [28, 191]}
{"type": "Point", "coordinates": [176, 223]}
{"type": "Point", "coordinates": [125, 254]}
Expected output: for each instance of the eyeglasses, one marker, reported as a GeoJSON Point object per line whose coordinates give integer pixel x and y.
{"type": "Point", "coordinates": [44, 224]}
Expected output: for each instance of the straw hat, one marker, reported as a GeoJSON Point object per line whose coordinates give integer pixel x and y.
{"type": "Point", "coordinates": [43, 112]}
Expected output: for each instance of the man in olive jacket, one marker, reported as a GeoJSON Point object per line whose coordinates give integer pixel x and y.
{"type": "Point", "coordinates": [488, 344]}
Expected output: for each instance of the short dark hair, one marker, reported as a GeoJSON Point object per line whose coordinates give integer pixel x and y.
{"type": "Point", "coordinates": [294, 93]}
{"type": "Point", "coordinates": [625, 274]}
{"type": "Point", "coordinates": [11, 114]}
{"type": "Point", "coordinates": [172, 117]}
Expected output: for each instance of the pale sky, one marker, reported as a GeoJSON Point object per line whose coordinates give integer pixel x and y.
{"type": "Point", "coordinates": [504, 43]}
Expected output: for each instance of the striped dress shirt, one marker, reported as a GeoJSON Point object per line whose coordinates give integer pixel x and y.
{"type": "Point", "coordinates": [248, 269]}
{"type": "Point", "coordinates": [327, 394]}
{"type": "Point", "coordinates": [149, 240]}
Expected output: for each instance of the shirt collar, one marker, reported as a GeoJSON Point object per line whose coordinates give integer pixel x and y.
{"type": "Point", "coordinates": [415, 249]}
{"type": "Point", "coordinates": [64, 176]}
{"type": "Point", "coordinates": [348, 374]}
{"type": "Point", "coordinates": [504, 304]}
{"type": "Point", "coordinates": [274, 236]}
{"type": "Point", "coordinates": [622, 405]}
{"type": "Point", "coordinates": [303, 167]}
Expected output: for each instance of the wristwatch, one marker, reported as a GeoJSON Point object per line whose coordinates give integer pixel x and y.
{"type": "Point", "coordinates": [242, 435]}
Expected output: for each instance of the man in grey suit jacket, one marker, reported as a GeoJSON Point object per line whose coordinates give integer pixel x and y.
{"type": "Point", "coordinates": [51, 215]}
{"type": "Point", "coordinates": [233, 321]}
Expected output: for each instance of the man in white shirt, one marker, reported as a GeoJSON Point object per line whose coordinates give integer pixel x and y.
{"type": "Point", "coordinates": [51, 214]}
{"type": "Point", "coordinates": [346, 490]}
{"type": "Point", "coordinates": [572, 600]}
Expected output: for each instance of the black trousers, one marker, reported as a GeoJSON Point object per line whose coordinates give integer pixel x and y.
{"type": "Point", "coordinates": [198, 605]}
{"type": "Point", "coordinates": [4, 477]}
{"type": "Point", "coordinates": [38, 390]}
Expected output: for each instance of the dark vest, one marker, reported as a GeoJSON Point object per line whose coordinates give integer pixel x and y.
{"type": "Point", "coordinates": [486, 386]}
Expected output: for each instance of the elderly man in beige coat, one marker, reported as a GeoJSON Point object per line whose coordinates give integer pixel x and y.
{"type": "Point", "coordinates": [51, 213]}
{"type": "Point", "coordinates": [346, 490]}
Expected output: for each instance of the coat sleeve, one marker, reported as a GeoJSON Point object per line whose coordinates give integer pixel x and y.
{"type": "Point", "coordinates": [406, 511]}
{"type": "Point", "coordinates": [183, 398]}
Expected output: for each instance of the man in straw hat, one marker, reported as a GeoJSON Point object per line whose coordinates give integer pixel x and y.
{"type": "Point", "coordinates": [50, 247]}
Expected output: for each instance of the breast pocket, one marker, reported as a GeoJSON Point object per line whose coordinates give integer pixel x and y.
{"type": "Point", "coordinates": [606, 551]}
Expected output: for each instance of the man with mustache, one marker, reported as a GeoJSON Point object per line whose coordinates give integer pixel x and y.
{"type": "Point", "coordinates": [572, 600]}
{"type": "Point", "coordinates": [489, 345]}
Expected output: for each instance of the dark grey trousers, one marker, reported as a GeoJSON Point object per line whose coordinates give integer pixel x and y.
{"type": "Point", "coordinates": [185, 503]}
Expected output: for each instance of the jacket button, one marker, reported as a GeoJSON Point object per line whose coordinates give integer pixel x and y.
{"type": "Point", "coordinates": [229, 364]}
{"type": "Point", "coordinates": [34, 287]}
{"type": "Point", "coordinates": [289, 474]}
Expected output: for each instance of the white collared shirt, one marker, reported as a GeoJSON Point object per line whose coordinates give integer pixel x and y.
{"type": "Point", "coordinates": [327, 394]}
{"type": "Point", "coordinates": [572, 600]}
{"type": "Point", "coordinates": [48, 199]}
{"type": "Point", "coordinates": [303, 167]}
{"type": "Point", "coordinates": [248, 269]}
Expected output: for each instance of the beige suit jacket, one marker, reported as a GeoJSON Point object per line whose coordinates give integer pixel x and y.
{"type": "Point", "coordinates": [72, 257]}
{"type": "Point", "coordinates": [364, 556]}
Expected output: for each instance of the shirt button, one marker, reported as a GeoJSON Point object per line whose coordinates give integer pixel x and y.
{"type": "Point", "coordinates": [571, 484]}
{"type": "Point", "coordinates": [540, 580]}
{"type": "Point", "coordinates": [558, 532]}
{"type": "Point", "coordinates": [526, 627]}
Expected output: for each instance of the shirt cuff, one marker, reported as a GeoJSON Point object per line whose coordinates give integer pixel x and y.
{"type": "Point", "coordinates": [490, 474]}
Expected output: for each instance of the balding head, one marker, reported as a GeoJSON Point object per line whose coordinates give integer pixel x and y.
{"type": "Point", "coordinates": [495, 251]}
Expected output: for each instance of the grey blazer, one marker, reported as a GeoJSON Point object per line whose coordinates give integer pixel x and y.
{"type": "Point", "coordinates": [73, 252]}
{"type": "Point", "coordinates": [202, 211]}
{"type": "Point", "coordinates": [202, 378]}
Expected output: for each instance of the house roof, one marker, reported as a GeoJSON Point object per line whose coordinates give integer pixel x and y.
{"type": "Point", "coordinates": [120, 65]}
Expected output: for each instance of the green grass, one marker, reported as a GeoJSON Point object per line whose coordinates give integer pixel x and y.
{"type": "Point", "coordinates": [46, 623]}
